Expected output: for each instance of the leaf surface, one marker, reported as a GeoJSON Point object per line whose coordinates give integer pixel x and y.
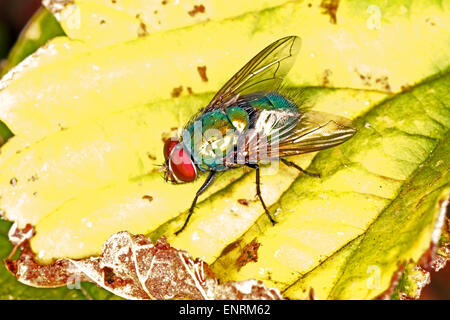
{"type": "Point", "coordinates": [348, 54]}
{"type": "Point", "coordinates": [90, 122]}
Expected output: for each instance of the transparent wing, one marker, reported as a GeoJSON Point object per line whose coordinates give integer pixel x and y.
{"type": "Point", "coordinates": [282, 137]}
{"type": "Point", "coordinates": [315, 131]}
{"type": "Point", "coordinates": [264, 72]}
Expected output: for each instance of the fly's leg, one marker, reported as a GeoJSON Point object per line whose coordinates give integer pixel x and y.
{"type": "Point", "coordinates": [205, 185]}
{"type": "Point", "coordinates": [258, 191]}
{"type": "Point", "coordinates": [291, 164]}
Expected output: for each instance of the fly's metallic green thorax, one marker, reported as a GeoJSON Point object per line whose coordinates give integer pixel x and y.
{"type": "Point", "coordinates": [215, 135]}
{"type": "Point", "coordinates": [271, 101]}
{"type": "Point", "coordinates": [210, 135]}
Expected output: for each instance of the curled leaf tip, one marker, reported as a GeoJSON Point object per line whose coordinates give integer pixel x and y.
{"type": "Point", "coordinates": [409, 280]}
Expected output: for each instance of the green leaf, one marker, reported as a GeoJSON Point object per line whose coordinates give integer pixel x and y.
{"type": "Point", "coordinates": [42, 27]}
{"type": "Point", "coordinates": [348, 54]}
{"type": "Point", "coordinates": [413, 279]}
{"type": "Point", "coordinates": [402, 231]}
{"type": "Point", "coordinates": [343, 235]}
{"type": "Point", "coordinates": [365, 216]}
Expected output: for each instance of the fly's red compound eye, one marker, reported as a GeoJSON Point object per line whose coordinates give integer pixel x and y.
{"type": "Point", "coordinates": [181, 166]}
{"type": "Point", "coordinates": [168, 146]}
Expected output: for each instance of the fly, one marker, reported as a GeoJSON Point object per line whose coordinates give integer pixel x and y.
{"type": "Point", "coordinates": [251, 121]}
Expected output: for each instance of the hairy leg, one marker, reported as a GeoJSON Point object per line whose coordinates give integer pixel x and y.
{"type": "Point", "coordinates": [205, 185]}
{"type": "Point", "coordinates": [258, 191]}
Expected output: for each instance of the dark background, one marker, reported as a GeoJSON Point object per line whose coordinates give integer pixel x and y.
{"type": "Point", "coordinates": [14, 14]}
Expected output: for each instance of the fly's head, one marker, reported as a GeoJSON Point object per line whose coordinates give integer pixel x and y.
{"type": "Point", "coordinates": [179, 167]}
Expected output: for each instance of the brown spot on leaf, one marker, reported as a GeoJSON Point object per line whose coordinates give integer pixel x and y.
{"type": "Point", "coordinates": [176, 92]}
{"type": "Point", "coordinates": [411, 189]}
{"type": "Point", "coordinates": [244, 202]}
{"type": "Point", "coordinates": [381, 82]}
{"type": "Point", "coordinates": [364, 77]}
{"type": "Point", "coordinates": [421, 200]}
{"type": "Point", "coordinates": [405, 87]}
{"type": "Point", "coordinates": [150, 156]}
{"type": "Point", "coordinates": [330, 8]}
{"type": "Point", "coordinates": [189, 89]}
{"type": "Point", "coordinates": [430, 22]}
{"type": "Point", "coordinates": [312, 295]}
{"type": "Point", "coordinates": [102, 21]}
{"type": "Point", "coordinates": [13, 181]}
{"type": "Point", "coordinates": [249, 254]}
{"type": "Point", "coordinates": [108, 275]}
{"type": "Point", "coordinates": [164, 2]}
{"type": "Point", "coordinates": [168, 135]}
{"type": "Point", "coordinates": [202, 72]}
{"type": "Point", "coordinates": [326, 77]}
{"type": "Point", "coordinates": [147, 197]}
{"type": "Point", "coordinates": [165, 136]}
{"type": "Point", "coordinates": [11, 265]}
{"type": "Point", "coordinates": [142, 30]}
{"type": "Point", "coordinates": [197, 9]}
